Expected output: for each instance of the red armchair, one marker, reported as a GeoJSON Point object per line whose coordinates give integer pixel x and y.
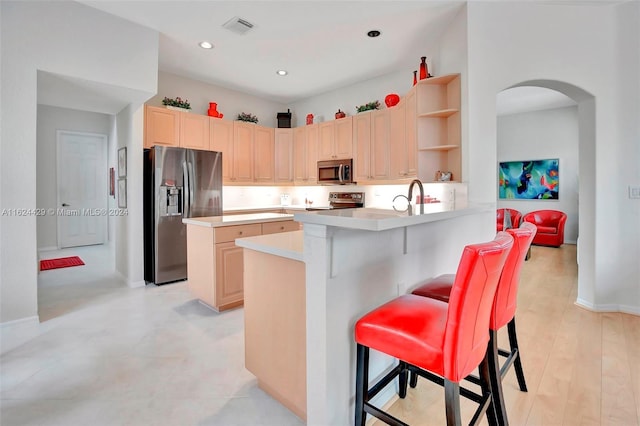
{"type": "Point", "coordinates": [550, 224]}
{"type": "Point", "coordinates": [515, 218]}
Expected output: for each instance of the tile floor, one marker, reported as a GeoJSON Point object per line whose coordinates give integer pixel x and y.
{"type": "Point", "coordinates": [105, 354]}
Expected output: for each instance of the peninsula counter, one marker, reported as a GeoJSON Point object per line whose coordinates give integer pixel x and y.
{"type": "Point", "coordinates": [355, 260]}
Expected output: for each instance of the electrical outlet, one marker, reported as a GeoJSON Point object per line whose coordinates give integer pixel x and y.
{"type": "Point", "coordinates": [634, 191]}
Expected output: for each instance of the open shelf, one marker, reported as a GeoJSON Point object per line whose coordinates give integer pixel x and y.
{"type": "Point", "coordinates": [443, 113]}
{"type": "Point", "coordinates": [439, 148]}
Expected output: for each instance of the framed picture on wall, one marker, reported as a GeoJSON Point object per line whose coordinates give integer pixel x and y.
{"type": "Point", "coordinates": [112, 182]}
{"type": "Point", "coordinates": [122, 162]}
{"type": "Point", "coordinates": [529, 180]}
{"type": "Point", "coordinates": [122, 193]}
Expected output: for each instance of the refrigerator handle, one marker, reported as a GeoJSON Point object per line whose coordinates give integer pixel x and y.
{"type": "Point", "coordinates": [185, 191]}
{"type": "Point", "coordinates": [190, 189]}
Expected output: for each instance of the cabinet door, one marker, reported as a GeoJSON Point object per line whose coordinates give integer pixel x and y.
{"type": "Point", "coordinates": [380, 144]}
{"type": "Point", "coordinates": [344, 138]}
{"type": "Point", "coordinates": [222, 141]}
{"type": "Point", "coordinates": [410, 136]}
{"type": "Point", "coordinates": [300, 172]}
{"type": "Point", "coordinates": [284, 154]}
{"type": "Point", "coordinates": [264, 148]}
{"type": "Point", "coordinates": [243, 152]}
{"type": "Point", "coordinates": [326, 140]}
{"type": "Point", "coordinates": [194, 131]}
{"type": "Point", "coordinates": [229, 273]}
{"type": "Point", "coordinates": [397, 137]}
{"type": "Point", "coordinates": [362, 146]}
{"type": "Point", "coordinates": [312, 152]}
{"type": "Point", "coordinates": [162, 127]}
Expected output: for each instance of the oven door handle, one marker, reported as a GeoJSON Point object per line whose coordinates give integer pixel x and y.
{"type": "Point", "coordinates": [340, 171]}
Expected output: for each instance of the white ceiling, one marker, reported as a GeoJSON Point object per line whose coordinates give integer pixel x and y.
{"type": "Point", "coordinates": [321, 43]}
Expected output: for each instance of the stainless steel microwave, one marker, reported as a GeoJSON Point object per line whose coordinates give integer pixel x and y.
{"type": "Point", "coordinates": [335, 171]}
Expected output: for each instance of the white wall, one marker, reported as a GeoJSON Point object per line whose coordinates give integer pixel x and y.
{"type": "Point", "coordinates": [540, 135]}
{"type": "Point", "coordinates": [230, 102]}
{"type": "Point", "coordinates": [51, 119]}
{"type": "Point", "coordinates": [66, 38]}
{"type": "Point", "coordinates": [511, 43]}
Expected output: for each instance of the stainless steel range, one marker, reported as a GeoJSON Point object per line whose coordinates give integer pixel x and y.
{"type": "Point", "coordinates": [342, 200]}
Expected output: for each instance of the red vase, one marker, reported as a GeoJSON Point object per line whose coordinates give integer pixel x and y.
{"type": "Point", "coordinates": [340, 114]}
{"type": "Point", "coordinates": [309, 118]}
{"type": "Point", "coordinates": [424, 72]}
{"type": "Point", "coordinates": [391, 100]}
{"type": "Point", "coordinates": [415, 77]}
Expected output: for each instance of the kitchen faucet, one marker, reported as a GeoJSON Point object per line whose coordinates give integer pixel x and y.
{"type": "Point", "coordinates": [414, 182]}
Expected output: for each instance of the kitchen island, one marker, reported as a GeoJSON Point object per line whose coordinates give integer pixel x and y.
{"type": "Point", "coordinates": [214, 262]}
{"type": "Point", "coordinates": [355, 260]}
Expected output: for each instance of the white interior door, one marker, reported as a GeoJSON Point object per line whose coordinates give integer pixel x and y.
{"type": "Point", "coordinates": [82, 188]}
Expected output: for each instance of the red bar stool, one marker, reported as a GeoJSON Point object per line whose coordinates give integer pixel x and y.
{"type": "Point", "coordinates": [442, 342]}
{"type": "Point", "coordinates": [503, 313]}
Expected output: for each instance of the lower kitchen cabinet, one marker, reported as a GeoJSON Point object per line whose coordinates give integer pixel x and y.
{"type": "Point", "coordinates": [215, 263]}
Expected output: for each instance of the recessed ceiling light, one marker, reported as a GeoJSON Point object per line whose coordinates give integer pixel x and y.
{"type": "Point", "coordinates": [282, 72]}
{"type": "Point", "coordinates": [206, 45]}
{"type": "Point", "coordinates": [373, 33]}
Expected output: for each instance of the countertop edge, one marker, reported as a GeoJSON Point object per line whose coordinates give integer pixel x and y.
{"type": "Point", "coordinates": [239, 219]}
{"type": "Point", "coordinates": [264, 244]}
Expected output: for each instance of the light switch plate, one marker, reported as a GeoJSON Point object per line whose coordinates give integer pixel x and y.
{"type": "Point", "coordinates": [634, 191]}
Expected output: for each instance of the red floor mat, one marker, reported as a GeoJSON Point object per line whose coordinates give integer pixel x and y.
{"type": "Point", "coordinates": [61, 262]}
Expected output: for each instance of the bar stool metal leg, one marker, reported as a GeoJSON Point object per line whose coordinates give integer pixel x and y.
{"type": "Point", "coordinates": [496, 379]}
{"type": "Point", "coordinates": [362, 383]}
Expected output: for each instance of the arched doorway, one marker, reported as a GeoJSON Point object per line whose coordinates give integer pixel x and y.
{"type": "Point", "coordinates": [585, 240]}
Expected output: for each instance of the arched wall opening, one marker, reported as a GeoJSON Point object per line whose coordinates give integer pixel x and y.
{"type": "Point", "coordinates": [586, 183]}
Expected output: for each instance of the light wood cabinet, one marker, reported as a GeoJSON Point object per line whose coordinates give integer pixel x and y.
{"type": "Point", "coordinates": [243, 155]}
{"type": "Point", "coordinates": [371, 145]}
{"type": "Point", "coordinates": [305, 154]}
{"type": "Point", "coordinates": [335, 139]}
{"type": "Point", "coordinates": [161, 127]}
{"type": "Point", "coordinates": [284, 155]}
{"type": "Point", "coordinates": [194, 131]}
{"type": "Point", "coordinates": [402, 133]}
{"type": "Point", "coordinates": [264, 151]}
{"type": "Point", "coordinates": [215, 263]}
{"type": "Point", "coordinates": [438, 127]}
{"type": "Point", "coordinates": [221, 134]}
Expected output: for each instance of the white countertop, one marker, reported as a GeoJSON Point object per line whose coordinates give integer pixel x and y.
{"type": "Point", "coordinates": [376, 219]}
{"type": "Point", "coordinates": [228, 210]}
{"type": "Point", "coordinates": [238, 219]}
{"type": "Point", "coordinates": [284, 244]}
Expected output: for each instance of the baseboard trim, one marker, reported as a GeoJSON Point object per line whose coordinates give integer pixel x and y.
{"type": "Point", "coordinates": [136, 284]}
{"type": "Point", "coordinates": [22, 321]}
{"type": "Point", "coordinates": [626, 309]}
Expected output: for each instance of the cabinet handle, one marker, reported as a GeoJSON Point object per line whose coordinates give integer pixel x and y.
{"type": "Point", "coordinates": [282, 227]}
{"type": "Point", "coordinates": [240, 233]}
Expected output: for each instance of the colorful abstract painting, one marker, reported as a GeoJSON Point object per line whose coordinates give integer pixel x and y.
{"type": "Point", "coordinates": [528, 180]}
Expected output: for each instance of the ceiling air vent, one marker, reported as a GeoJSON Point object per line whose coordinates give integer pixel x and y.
{"type": "Point", "coordinates": [238, 25]}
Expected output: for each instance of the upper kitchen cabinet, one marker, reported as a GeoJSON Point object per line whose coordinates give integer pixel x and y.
{"type": "Point", "coordinates": [305, 154]}
{"type": "Point", "coordinates": [221, 140]}
{"type": "Point", "coordinates": [194, 131]}
{"type": "Point", "coordinates": [167, 127]}
{"type": "Point", "coordinates": [371, 145]}
{"type": "Point", "coordinates": [243, 154]}
{"type": "Point", "coordinates": [264, 149]}
{"type": "Point", "coordinates": [335, 139]}
{"type": "Point", "coordinates": [402, 138]}
{"type": "Point", "coordinates": [284, 156]}
{"type": "Point", "coordinates": [438, 127]}
{"type": "Point", "coordinates": [161, 127]}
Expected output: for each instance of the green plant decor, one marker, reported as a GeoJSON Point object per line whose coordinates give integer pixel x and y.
{"type": "Point", "coordinates": [243, 116]}
{"type": "Point", "coordinates": [177, 102]}
{"type": "Point", "coordinates": [369, 106]}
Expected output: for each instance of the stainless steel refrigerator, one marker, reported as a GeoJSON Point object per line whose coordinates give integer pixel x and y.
{"type": "Point", "coordinates": [178, 183]}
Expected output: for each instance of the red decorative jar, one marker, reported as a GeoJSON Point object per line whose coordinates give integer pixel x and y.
{"type": "Point", "coordinates": [340, 114]}
{"type": "Point", "coordinates": [391, 100]}
{"type": "Point", "coordinates": [424, 71]}
{"type": "Point", "coordinates": [415, 77]}
{"type": "Point", "coordinates": [309, 118]}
